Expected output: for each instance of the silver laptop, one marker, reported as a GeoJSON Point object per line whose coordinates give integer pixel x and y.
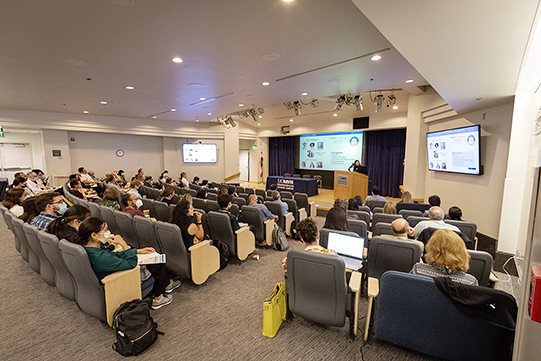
{"type": "Point", "coordinates": [349, 248]}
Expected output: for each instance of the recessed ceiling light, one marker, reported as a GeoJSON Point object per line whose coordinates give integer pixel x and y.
{"type": "Point", "coordinates": [258, 123]}
{"type": "Point", "coordinates": [290, 120]}
{"type": "Point", "coordinates": [395, 107]}
{"type": "Point", "coordinates": [304, 94]}
{"type": "Point", "coordinates": [265, 83]}
{"type": "Point", "coordinates": [409, 81]}
{"type": "Point", "coordinates": [241, 105]}
{"type": "Point", "coordinates": [173, 110]}
{"type": "Point", "coordinates": [375, 57]}
{"type": "Point", "coordinates": [197, 120]}
{"type": "Point", "coordinates": [209, 113]}
{"type": "Point", "coordinates": [86, 111]}
{"type": "Point", "coordinates": [335, 115]}
{"type": "Point", "coordinates": [260, 116]}
{"type": "Point", "coordinates": [103, 102]}
{"type": "Point", "coordinates": [177, 60]}
{"type": "Point", "coordinates": [287, 1]}
{"type": "Point", "coordinates": [271, 56]}
{"type": "Point", "coordinates": [154, 117]}
{"type": "Point", "coordinates": [202, 98]}
{"type": "Point", "coordinates": [195, 85]}
{"type": "Point", "coordinates": [129, 87]}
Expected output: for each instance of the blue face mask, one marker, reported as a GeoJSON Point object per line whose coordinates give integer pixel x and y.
{"type": "Point", "coordinates": [43, 176]}
{"type": "Point", "coordinates": [63, 208]}
{"type": "Point", "coordinates": [36, 179]}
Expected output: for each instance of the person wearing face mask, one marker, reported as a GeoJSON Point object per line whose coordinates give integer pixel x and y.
{"type": "Point", "coordinates": [134, 188]}
{"type": "Point", "coordinates": [50, 206]}
{"type": "Point", "coordinates": [130, 203]}
{"type": "Point", "coordinates": [31, 183]}
{"type": "Point", "coordinates": [68, 224]}
{"type": "Point", "coordinates": [94, 235]}
{"type": "Point", "coordinates": [76, 188]}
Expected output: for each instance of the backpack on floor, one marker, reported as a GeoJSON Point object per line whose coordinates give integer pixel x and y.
{"type": "Point", "coordinates": [279, 239]}
{"type": "Point", "coordinates": [135, 328]}
{"type": "Point", "coordinates": [224, 253]}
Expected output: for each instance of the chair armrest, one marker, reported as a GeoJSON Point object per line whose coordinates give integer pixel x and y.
{"type": "Point", "coordinates": [313, 209]}
{"type": "Point", "coordinates": [121, 287]}
{"type": "Point", "coordinates": [245, 242]}
{"type": "Point", "coordinates": [302, 214]}
{"type": "Point", "coordinates": [269, 227]}
{"type": "Point", "coordinates": [373, 287]}
{"type": "Point", "coordinates": [205, 260]}
{"type": "Point", "coordinates": [355, 281]}
{"type": "Point", "coordinates": [288, 220]}
{"type": "Point", "coordinates": [199, 245]}
{"type": "Point", "coordinates": [493, 280]}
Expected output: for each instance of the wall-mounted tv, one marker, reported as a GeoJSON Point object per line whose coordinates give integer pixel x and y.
{"type": "Point", "coordinates": [455, 150]}
{"type": "Point", "coordinates": [199, 153]}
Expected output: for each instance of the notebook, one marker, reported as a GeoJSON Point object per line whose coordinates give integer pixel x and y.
{"type": "Point", "coordinates": [349, 248]}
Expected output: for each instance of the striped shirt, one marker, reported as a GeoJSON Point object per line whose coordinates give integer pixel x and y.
{"type": "Point", "coordinates": [435, 271]}
{"type": "Point", "coordinates": [42, 221]}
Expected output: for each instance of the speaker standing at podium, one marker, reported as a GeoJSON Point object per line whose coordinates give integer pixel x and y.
{"type": "Point", "coordinates": [356, 166]}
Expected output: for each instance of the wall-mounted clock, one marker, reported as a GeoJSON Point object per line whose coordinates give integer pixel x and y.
{"type": "Point", "coordinates": [119, 153]}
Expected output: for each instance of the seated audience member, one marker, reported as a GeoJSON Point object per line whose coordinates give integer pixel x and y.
{"type": "Point", "coordinates": [406, 198]}
{"type": "Point", "coordinates": [309, 234]}
{"type": "Point", "coordinates": [434, 201]}
{"type": "Point", "coordinates": [111, 197]}
{"type": "Point", "coordinates": [184, 182]}
{"type": "Point", "coordinates": [196, 180]}
{"type": "Point", "coordinates": [264, 212]}
{"type": "Point", "coordinates": [189, 222]}
{"type": "Point", "coordinates": [224, 201]}
{"type": "Point", "coordinates": [204, 183]}
{"type": "Point", "coordinates": [232, 191]}
{"type": "Point", "coordinates": [375, 196]}
{"type": "Point", "coordinates": [343, 204]}
{"type": "Point", "coordinates": [86, 179]}
{"type": "Point", "coordinates": [93, 176]}
{"type": "Point", "coordinates": [50, 206]}
{"type": "Point", "coordinates": [402, 231]}
{"type": "Point", "coordinates": [273, 187]}
{"type": "Point", "coordinates": [42, 180]}
{"type": "Point", "coordinates": [202, 193]}
{"type": "Point", "coordinates": [134, 188]}
{"type": "Point", "coordinates": [67, 225]}
{"type": "Point", "coordinates": [358, 201]}
{"type": "Point", "coordinates": [31, 185]}
{"type": "Point", "coordinates": [13, 201]}
{"type": "Point", "coordinates": [111, 181]}
{"type": "Point", "coordinates": [94, 235]}
{"type": "Point", "coordinates": [446, 256]}
{"type": "Point", "coordinates": [352, 205]}
{"type": "Point", "coordinates": [19, 182]}
{"type": "Point", "coordinates": [140, 176]}
{"type": "Point", "coordinates": [224, 190]}
{"type": "Point", "coordinates": [129, 202]}
{"type": "Point", "coordinates": [278, 199]}
{"type": "Point", "coordinates": [167, 194]}
{"type": "Point", "coordinates": [19, 174]}
{"type": "Point", "coordinates": [436, 216]}
{"type": "Point", "coordinates": [389, 208]}
{"type": "Point", "coordinates": [30, 209]}
{"type": "Point", "coordinates": [455, 213]}
{"type": "Point", "coordinates": [164, 176]}
{"type": "Point", "coordinates": [76, 188]}
{"type": "Point", "coordinates": [121, 178]}
{"type": "Point", "coordinates": [336, 219]}
{"type": "Point", "coordinates": [149, 181]}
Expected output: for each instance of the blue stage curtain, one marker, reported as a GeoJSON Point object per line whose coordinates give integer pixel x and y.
{"type": "Point", "coordinates": [281, 156]}
{"type": "Point", "coordinates": [385, 152]}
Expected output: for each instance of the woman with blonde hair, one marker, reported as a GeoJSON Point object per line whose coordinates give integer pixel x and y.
{"type": "Point", "coordinates": [406, 198]}
{"type": "Point", "coordinates": [389, 208]}
{"type": "Point", "coordinates": [446, 256]}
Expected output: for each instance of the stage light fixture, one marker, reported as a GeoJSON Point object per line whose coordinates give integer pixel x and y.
{"type": "Point", "coordinates": [340, 102]}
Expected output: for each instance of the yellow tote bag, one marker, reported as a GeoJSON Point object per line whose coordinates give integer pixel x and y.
{"type": "Point", "coordinates": [274, 310]}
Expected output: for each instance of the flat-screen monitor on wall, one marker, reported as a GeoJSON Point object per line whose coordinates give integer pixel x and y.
{"type": "Point", "coordinates": [199, 153]}
{"type": "Point", "coordinates": [455, 150]}
{"type": "Point", "coordinates": [330, 151]}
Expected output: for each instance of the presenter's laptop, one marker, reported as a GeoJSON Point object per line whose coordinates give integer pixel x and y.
{"type": "Point", "coordinates": [349, 248]}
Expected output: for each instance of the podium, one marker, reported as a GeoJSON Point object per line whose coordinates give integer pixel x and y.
{"type": "Point", "coordinates": [349, 184]}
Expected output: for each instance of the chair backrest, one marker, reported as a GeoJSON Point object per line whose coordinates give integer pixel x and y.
{"type": "Point", "coordinates": [249, 190]}
{"type": "Point", "coordinates": [480, 266]}
{"type": "Point", "coordinates": [244, 196]}
{"type": "Point", "coordinates": [363, 216]}
{"type": "Point", "coordinates": [127, 230]}
{"type": "Point", "coordinates": [170, 238]}
{"type": "Point", "coordinates": [193, 192]}
{"type": "Point", "coordinates": [292, 207]}
{"type": "Point", "coordinates": [204, 222]}
{"type": "Point", "coordinates": [212, 196]}
{"type": "Point", "coordinates": [276, 209]}
{"type": "Point", "coordinates": [89, 293]}
{"type": "Point", "coordinates": [94, 209]}
{"type": "Point", "coordinates": [413, 220]}
{"type": "Point", "coordinates": [287, 174]}
{"type": "Point", "coordinates": [295, 175]}
{"type": "Point", "coordinates": [387, 254]}
{"type": "Point", "coordinates": [45, 267]}
{"type": "Point", "coordinates": [260, 192]}
{"type": "Point", "coordinates": [162, 211]}
{"type": "Point", "coordinates": [468, 228]}
{"type": "Point", "coordinates": [373, 204]}
{"type": "Point", "coordinates": [409, 212]}
{"type": "Point", "coordinates": [240, 190]}
{"type": "Point", "coordinates": [286, 195]}
{"type": "Point", "coordinates": [377, 210]}
{"type": "Point", "coordinates": [234, 208]}
{"type": "Point", "coordinates": [324, 235]}
{"type": "Point", "coordinates": [384, 217]}
{"type": "Point", "coordinates": [251, 216]}
{"type": "Point", "coordinates": [220, 227]}
{"type": "Point", "coordinates": [199, 203]}
{"type": "Point", "coordinates": [306, 176]}
{"type": "Point", "coordinates": [148, 204]}
{"type": "Point", "coordinates": [316, 287]}
{"type": "Point", "coordinates": [268, 199]}
{"type": "Point", "coordinates": [364, 209]}
{"type": "Point", "coordinates": [358, 226]}
{"type": "Point", "coordinates": [413, 206]}
{"type": "Point", "coordinates": [382, 228]}
{"type": "Point", "coordinates": [178, 190]}
{"type": "Point", "coordinates": [238, 201]}
{"type": "Point", "coordinates": [144, 228]}
{"type": "Point", "coordinates": [108, 215]}
{"type": "Point", "coordinates": [26, 252]}
{"type": "Point", "coordinates": [302, 202]}
{"type": "Point", "coordinates": [63, 279]}
{"type": "Point", "coordinates": [8, 217]}
{"type": "Point", "coordinates": [175, 199]}
{"type": "Point", "coordinates": [211, 206]}
{"type": "Point", "coordinates": [4, 210]}
{"type": "Point", "coordinates": [409, 302]}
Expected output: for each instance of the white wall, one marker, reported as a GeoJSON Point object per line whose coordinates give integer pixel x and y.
{"type": "Point", "coordinates": [32, 137]}
{"type": "Point", "coordinates": [56, 140]}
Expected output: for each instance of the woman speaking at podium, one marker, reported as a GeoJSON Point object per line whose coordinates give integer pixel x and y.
{"type": "Point", "coordinates": [356, 166]}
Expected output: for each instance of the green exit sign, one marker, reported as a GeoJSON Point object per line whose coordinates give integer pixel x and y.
{"type": "Point", "coordinates": [1, 131]}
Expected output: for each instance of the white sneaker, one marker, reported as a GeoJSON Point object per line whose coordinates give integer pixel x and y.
{"type": "Point", "coordinates": [173, 285]}
{"type": "Point", "coordinates": [166, 299]}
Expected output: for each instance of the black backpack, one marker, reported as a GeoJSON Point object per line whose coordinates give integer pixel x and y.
{"type": "Point", "coordinates": [224, 253]}
{"type": "Point", "coordinates": [279, 239]}
{"type": "Point", "coordinates": [135, 328]}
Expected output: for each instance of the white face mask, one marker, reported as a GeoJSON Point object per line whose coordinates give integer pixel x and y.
{"type": "Point", "coordinates": [139, 203]}
{"type": "Point", "coordinates": [106, 237]}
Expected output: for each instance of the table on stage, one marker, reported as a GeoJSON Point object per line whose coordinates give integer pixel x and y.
{"type": "Point", "coordinates": [293, 184]}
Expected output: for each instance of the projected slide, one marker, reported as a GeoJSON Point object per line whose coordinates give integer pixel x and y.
{"type": "Point", "coordinates": [333, 151]}
{"type": "Point", "coordinates": [454, 150]}
{"type": "Point", "coordinates": [199, 153]}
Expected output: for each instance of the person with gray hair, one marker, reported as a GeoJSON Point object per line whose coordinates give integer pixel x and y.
{"type": "Point", "coordinates": [436, 216]}
{"type": "Point", "coordinates": [402, 230]}
{"type": "Point", "coordinates": [278, 199]}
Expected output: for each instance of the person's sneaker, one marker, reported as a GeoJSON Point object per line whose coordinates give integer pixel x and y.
{"type": "Point", "coordinates": [166, 299]}
{"type": "Point", "coordinates": [173, 285]}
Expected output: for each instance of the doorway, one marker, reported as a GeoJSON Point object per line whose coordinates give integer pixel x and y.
{"type": "Point", "coordinates": [15, 157]}
{"type": "Point", "coordinates": [244, 165]}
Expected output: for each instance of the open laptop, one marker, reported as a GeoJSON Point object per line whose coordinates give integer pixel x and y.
{"type": "Point", "coordinates": [349, 248]}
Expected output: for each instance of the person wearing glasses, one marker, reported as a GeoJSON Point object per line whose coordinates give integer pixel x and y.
{"type": "Point", "coordinates": [50, 206]}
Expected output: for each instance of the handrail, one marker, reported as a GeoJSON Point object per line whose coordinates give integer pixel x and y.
{"type": "Point", "coordinates": [233, 176]}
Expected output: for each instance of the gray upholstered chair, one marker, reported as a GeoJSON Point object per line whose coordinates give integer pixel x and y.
{"type": "Point", "coordinates": [244, 195]}
{"type": "Point", "coordinates": [413, 206]}
{"type": "Point", "coordinates": [240, 190]}
{"type": "Point", "coordinates": [307, 176]}
{"type": "Point", "coordinates": [276, 209]}
{"type": "Point", "coordinates": [238, 201]}
{"type": "Point", "coordinates": [363, 216]}
{"type": "Point", "coordinates": [413, 220]}
{"type": "Point", "coordinates": [364, 209]}
{"type": "Point", "coordinates": [386, 254]}
{"type": "Point", "coordinates": [45, 268]}
{"type": "Point", "coordinates": [287, 174]}
{"type": "Point", "coordinates": [240, 243]}
{"type": "Point", "coordinates": [249, 190]}
{"type": "Point", "coordinates": [262, 231]}
{"type": "Point", "coordinates": [234, 208]}
{"type": "Point", "coordinates": [162, 211]}
{"type": "Point", "coordinates": [316, 289]}
{"type": "Point", "coordinates": [411, 310]}
{"type": "Point", "coordinates": [377, 210]}
{"type": "Point", "coordinates": [63, 279]}
{"type": "Point", "coordinates": [94, 209]}
{"type": "Point", "coordinates": [212, 196]}
{"type": "Point", "coordinates": [410, 212]}
{"type": "Point", "coordinates": [127, 230]}
{"type": "Point", "coordinates": [193, 192]}
{"type": "Point", "coordinates": [144, 228]}
{"type": "Point", "coordinates": [296, 175]}
{"type": "Point", "coordinates": [211, 206]}
{"type": "Point", "coordinates": [468, 228]}
{"type": "Point", "coordinates": [286, 195]}
{"type": "Point", "coordinates": [97, 299]}
{"type": "Point", "coordinates": [199, 203]}
{"type": "Point", "coordinates": [303, 202]}
{"type": "Point", "coordinates": [148, 204]}
{"type": "Point", "coordinates": [8, 218]}
{"type": "Point", "coordinates": [202, 261]}
{"type": "Point", "coordinates": [358, 226]}
{"type": "Point", "coordinates": [260, 192]}
{"type": "Point", "coordinates": [4, 210]}
{"type": "Point", "coordinates": [324, 235]}
{"type": "Point", "coordinates": [382, 228]}
{"type": "Point", "coordinates": [383, 217]}
{"type": "Point", "coordinates": [26, 252]}
{"type": "Point", "coordinates": [373, 204]}
{"type": "Point", "coordinates": [204, 222]}
{"type": "Point", "coordinates": [108, 215]}
{"type": "Point", "coordinates": [480, 266]}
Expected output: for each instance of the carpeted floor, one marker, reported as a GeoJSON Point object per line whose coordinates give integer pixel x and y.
{"type": "Point", "coordinates": [219, 321]}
